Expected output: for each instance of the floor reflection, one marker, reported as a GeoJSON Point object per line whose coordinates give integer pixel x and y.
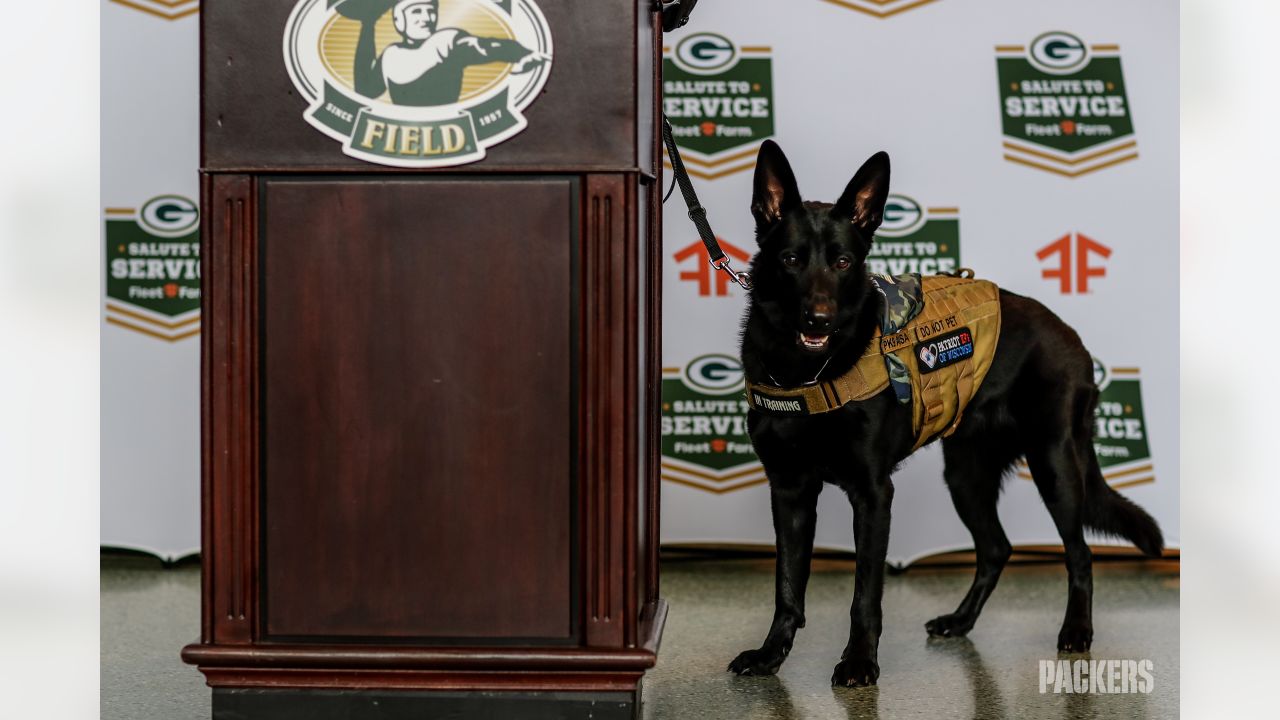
{"type": "Point", "coordinates": [988, 702]}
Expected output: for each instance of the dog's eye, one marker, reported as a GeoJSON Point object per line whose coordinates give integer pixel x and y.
{"type": "Point", "coordinates": [843, 263]}
{"type": "Point", "coordinates": [790, 260]}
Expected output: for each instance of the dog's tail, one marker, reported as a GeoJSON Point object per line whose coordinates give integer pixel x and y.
{"type": "Point", "coordinates": [1111, 513]}
{"type": "Point", "coordinates": [1106, 510]}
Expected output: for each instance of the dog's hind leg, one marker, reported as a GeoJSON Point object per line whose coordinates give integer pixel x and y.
{"type": "Point", "coordinates": [973, 474]}
{"type": "Point", "coordinates": [1054, 459]}
{"type": "Point", "coordinates": [795, 515]}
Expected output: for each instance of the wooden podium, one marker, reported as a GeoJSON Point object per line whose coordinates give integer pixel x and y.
{"type": "Point", "coordinates": [429, 394]}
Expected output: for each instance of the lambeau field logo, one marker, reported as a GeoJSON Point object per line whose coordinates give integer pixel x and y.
{"type": "Point", "coordinates": [1120, 428]}
{"type": "Point", "coordinates": [704, 426]}
{"type": "Point", "coordinates": [153, 268]}
{"type": "Point", "coordinates": [719, 99]}
{"type": "Point", "coordinates": [418, 83]}
{"type": "Point", "coordinates": [1064, 105]}
{"type": "Point", "coordinates": [915, 239]}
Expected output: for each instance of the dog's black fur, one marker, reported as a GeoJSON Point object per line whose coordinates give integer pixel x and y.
{"type": "Point", "coordinates": [1037, 401]}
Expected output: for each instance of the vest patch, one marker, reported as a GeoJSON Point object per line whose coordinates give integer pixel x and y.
{"type": "Point", "coordinates": [896, 341]}
{"type": "Point", "coordinates": [793, 405]}
{"type": "Point", "coordinates": [944, 350]}
{"type": "Point", "coordinates": [926, 330]}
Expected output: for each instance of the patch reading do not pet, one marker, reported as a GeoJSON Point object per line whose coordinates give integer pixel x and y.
{"type": "Point", "coordinates": [945, 350]}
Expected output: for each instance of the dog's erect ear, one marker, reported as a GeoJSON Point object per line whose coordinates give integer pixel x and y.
{"type": "Point", "coordinates": [863, 200]}
{"type": "Point", "coordinates": [775, 185]}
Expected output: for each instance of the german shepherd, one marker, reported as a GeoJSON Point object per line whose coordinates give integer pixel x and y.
{"type": "Point", "coordinates": [812, 314]}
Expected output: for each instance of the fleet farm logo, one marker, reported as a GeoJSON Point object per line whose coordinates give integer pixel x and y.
{"type": "Point", "coordinates": [1120, 429]}
{"type": "Point", "coordinates": [166, 9]}
{"type": "Point", "coordinates": [1064, 105]}
{"type": "Point", "coordinates": [719, 99]}
{"type": "Point", "coordinates": [880, 8]}
{"type": "Point", "coordinates": [914, 239]}
{"type": "Point", "coordinates": [418, 83]}
{"type": "Point", "coordinates": [153, 268]}
{"type": "Point", "coordinates": [704, 427]}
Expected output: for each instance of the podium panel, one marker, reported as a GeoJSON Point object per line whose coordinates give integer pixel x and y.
{"type": "Point", "coordinates": [420, 356]}
{"type": "Point", "coordinates": [430, 357]}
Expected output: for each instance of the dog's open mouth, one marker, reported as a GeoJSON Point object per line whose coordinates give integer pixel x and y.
{"type": "Point", "coordinates": [814, 343]}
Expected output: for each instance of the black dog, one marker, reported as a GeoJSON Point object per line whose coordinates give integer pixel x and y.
{"type": "Point", "coordinates": [812, 314]}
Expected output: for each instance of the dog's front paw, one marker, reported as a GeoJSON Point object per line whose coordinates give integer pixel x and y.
{"type": "Point", "coordinates": [757, 662]}
{"type": "Point", "coordinates": [1075, 638]}
{"type": "Point", "coordinates": [953, 625]}
{"type": "Point", "coordinates": [856, 672]}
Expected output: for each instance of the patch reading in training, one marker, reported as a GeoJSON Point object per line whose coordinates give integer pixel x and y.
{"type": "Point", "coordinates": [794, 405]}
{"type": "Point", "coordinates": [944, 350]}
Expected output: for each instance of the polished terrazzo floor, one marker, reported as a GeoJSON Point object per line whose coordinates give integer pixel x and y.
{"type": "Point", "coordinates": [719, 607]}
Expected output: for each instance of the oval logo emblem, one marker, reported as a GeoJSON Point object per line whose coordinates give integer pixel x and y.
{"type": "Point", "coordinates": [714, 374]}
{"type": "Point", "coordinates": [418, 83]}
{"type": "Point", "coordinates": [902, 216]}
{"type": "Point", "coordinates": [705, 54]}
{"type": "Point", "coordinates": [169, 216]}
{"type": "Point", "coordinates": [1101, 376]}
{"type": "Point", "coordinates": [1058, 53]}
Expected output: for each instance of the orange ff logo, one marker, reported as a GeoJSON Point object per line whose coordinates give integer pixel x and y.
{"type": "Point", "coordinates": [701, 274]}
{"type": "Point", "coordinates": [1074, 266]}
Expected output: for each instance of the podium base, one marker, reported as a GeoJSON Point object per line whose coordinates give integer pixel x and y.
{"type": "Point", "coordinates": [295, 704]}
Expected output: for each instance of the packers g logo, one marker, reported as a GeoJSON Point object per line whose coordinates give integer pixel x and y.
{"type": "Point", "coordinates": [418, 83]}
{"type": "Point", "coordinates": [1058, 53]}
{"type": "Point", "coordinates": [902, 216]}
{"type": "Point", "coordinates": [169, 216]}
{"type": "Point", "coordinates": [705, 54]}
{"type": "Point", "coordinates": [1101, 377]}
{"type": "Point", "coordinates": [714, 374]}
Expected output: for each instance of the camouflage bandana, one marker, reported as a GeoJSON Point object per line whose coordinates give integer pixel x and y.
{"type": "Point", "coordinates": [903, 300]}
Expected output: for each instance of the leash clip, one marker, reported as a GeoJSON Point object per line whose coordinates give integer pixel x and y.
{"type": "Point", "coordinates": [741, 278]}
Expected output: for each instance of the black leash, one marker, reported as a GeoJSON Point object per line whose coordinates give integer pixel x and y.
{"type": "Point", "coordinates": [697, 213]}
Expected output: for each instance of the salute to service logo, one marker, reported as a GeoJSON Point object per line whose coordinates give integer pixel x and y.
{"type": "Point", "coordinates": [704, 427]}
{"type": "Point", "coordinates": [153, 268]}
{"type": "Point", "coordinates": [1119, 431]}
{"type": "Point", "coordinates": [1064, 105]}
{"type": "Point", "coordinates": [880, 8]}
{"type": "Point", "coordinates": [167, 9]}
{"type": "Point", "coordinates": [913, 239]}
{"type": "Point", "coordinates": [719, 99]}
{"type": "Point", "coordinates": [418, 83]}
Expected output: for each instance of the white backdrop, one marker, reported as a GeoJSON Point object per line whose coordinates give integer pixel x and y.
{"type": "Point", "coordinates": [921, 83]}
{"type": "Point", "coordinates": [832, 81]}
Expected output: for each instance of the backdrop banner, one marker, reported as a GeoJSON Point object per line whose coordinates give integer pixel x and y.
{"type": "Point", "coordinates": [151, 283]}
{"type": "Point", "coordinates": [1034, 142]}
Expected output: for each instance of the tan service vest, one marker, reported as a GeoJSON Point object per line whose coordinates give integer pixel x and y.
{"type": "Point", "coordinates": [940, 356]}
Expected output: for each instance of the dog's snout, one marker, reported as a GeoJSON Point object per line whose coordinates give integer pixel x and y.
{"type": "Point", "coordinates": [819, 315]}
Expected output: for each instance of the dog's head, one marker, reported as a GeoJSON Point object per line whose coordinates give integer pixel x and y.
{"type": "Point", "coordinates": [810, 276]}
